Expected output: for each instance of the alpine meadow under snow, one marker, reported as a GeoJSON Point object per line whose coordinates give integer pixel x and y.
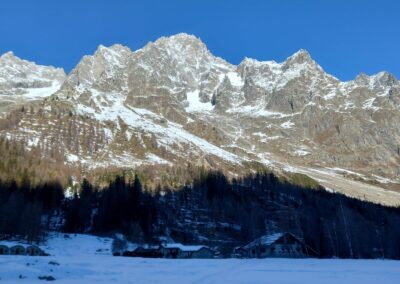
{"type": "Point", "coordinates": [86, 259]}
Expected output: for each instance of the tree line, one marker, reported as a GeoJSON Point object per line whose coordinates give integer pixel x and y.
{"type": "Point", "coordinates": [224, 213]}
{"type": "Point", "coordinates": [212, 210]}
{"type": "Point", "coordinates": [26, 211]}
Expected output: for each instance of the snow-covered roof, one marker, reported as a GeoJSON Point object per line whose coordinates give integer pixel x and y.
{"type": "Point", "coordinates": [265, 240]}
{"type": "Point", "coordinates": [10, 244]}
{"type": "Point", "coordinates": [183, 247]}
{"type": "Point", "coordinates": [147, 246]}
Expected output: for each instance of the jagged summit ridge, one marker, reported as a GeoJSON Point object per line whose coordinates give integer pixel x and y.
{"type": "Point", "coordinates": [173, 102]}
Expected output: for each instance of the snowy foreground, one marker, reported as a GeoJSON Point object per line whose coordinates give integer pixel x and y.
{"type": "Point", "coordinates": [87, 259]}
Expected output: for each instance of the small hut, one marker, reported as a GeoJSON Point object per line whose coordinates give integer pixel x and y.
{"type": "Point", "coordinates": [34, 250]}
{"type": "Point", "coordinates": [177, 250]}
{"type": "Point", "coordinates": [17, 250]}
{"type": "Point", "coordinates": [239, 252]}
{"type": "Point", "coordinates": [148, 251]}
{"type": "Point", "coordinates": [275, 245]}
{"type": "Point", "coordinates": [4, 249]}
{"type": "Point", "coordinates": [204, 252]}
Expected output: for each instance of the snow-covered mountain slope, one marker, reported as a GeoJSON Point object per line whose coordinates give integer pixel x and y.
{"type": "Point", "coordinates": [22, 81]}
{"type": "Point", "coordinates": [173, 102]}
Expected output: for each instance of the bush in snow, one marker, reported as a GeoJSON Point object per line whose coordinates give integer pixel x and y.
{"type": "Point", "coordinates": [119, 244]}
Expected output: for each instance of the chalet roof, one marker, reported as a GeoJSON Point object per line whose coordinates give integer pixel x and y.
{"type": "Point", "coordinates": [147, 247]}
{"type": "Point", "coordinates": [183, 247]}
{"type": "Point", "coordinates": [267, 240]}
{"type": "Point", "coordinates": [17, 246]}
{"type": "Point", "coordinates": [13, 243]}
{"type": "Point", "coordinates": [33, 246]}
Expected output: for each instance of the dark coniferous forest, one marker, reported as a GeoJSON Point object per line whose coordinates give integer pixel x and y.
{"type": "Point", "coordinates": [212, 211]}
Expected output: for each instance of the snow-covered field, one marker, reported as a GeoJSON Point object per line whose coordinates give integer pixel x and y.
{"type": "Point", "coordinates": [86, 259]}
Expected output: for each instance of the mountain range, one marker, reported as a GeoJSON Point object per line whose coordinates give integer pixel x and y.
{"type": "Point", "coordinates": [173, 103]}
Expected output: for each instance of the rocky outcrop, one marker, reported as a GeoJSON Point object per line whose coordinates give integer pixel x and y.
{"type": "Point", "coordinates": [22, 81]}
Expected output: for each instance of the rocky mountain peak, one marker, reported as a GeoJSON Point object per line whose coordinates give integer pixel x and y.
{"type": "Point", "coordinates": [180, 49]}
{"type": "Point", "coordinates": [106, 62]}
{"type": "Point", "coordinates": [382, 79]}
{"type": "Point", "coordinates": [22, 80]}
{"type": "Point", "coordinates": [387, 79]}
{"type": "Point", "coordinates": [300, 57]}
{"type": "Point", "coordinates": [9, 61]}
{"type": "Point", "coordinates": [113, 54]}
{"type": "Point", "coordinates": [7, 55]}
{"type": "Point", "coordinates": [181, 41]}
{"type": "Point", "coordinates": [362, 78]}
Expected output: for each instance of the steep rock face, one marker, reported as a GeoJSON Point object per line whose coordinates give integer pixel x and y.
{"type": "Point", "coordinates": [173, 102]}
{"type": "Point", "coordinates": [174, 75]}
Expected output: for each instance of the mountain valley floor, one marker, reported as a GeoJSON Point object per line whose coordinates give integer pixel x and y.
{"type": "Point", "coordinates": [87, 259]}
{"type": "Point", "coordinates": [108, 269]}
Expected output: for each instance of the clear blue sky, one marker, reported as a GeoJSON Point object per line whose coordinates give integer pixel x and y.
{"type": "Point", "coordinates": [345, 37]}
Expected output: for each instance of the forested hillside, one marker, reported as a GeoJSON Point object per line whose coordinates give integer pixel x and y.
{"type": "Point", "coordinates": [22, 165]}
{"type": "Point", "coordinates": [211, 210]}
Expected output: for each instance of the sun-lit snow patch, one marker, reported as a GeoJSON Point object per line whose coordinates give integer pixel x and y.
{"type": "Point", "coordinates": [265, 159]}
{"type": "Point", "coordinates": [72, 158]}
{"type": "Point", "coordinates": [128, 135]}
{"type": "Point", "coordinates": [328, 189]}
{"type": "Point", "coordinates": [154, 159]}
{"type": "Point", "coordinates": [123, 160]}
{"type": "Point", "coordinates": [348, 105]}
{"type": "Point", "coordinates": [39, 93]}
{"type": "Point", "coordinates": [32, 141]}
{"type": "Point", "coordinates": [108, 134]}
{"type": "Point", "coordinates": [195, 105]}
{"type": "Point", "coordinates": [265, 138]}
{"type": "Point", "coordinates": [288, 124]}
{"type": "Point", "coordinates": [385, 180]}
{"type": "Point", "coordinates": [256, 111]}
{"type": "Point", "coordinates": [301, 152]}
{"type": "Point", "coordinates": [330, 95]}
{"type": "Point", "coordinates": [336, 169]}
{"type": "Point", "coordinates": [260, 134]}
{"type": "Point", "coordinates": [235, 79]}
{"type": "Point", "coordinates": [290, 169]}
{"type": "Point", "coordinates": [369, 104]}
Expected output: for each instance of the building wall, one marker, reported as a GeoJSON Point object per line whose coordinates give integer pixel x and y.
{"type": "Point", "coordinates": [286, 250]}
{"type": "Point", "coordinates": [279, 249]}
{"type": "Point", "coordinates": [203, 253]}
{"type": "Point", "coordinates": [170, 252]}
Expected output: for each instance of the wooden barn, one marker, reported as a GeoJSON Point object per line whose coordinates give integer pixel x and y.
{"type": "Point", "coordinates": [177, 250]}
{"type": "Point", "coordinates": [275, 245]}
{"type": "Point", "coordinates": [150, 251]}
